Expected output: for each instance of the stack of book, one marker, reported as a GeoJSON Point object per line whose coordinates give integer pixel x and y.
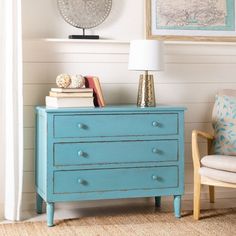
{"type": "Point", "coordinates": [68, 97]}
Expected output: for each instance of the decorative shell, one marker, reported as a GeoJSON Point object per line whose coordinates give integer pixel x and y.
{"type": "Point", "coordinates": [77, 81]}
{"type": "Point", "coordinates": [63, 80]}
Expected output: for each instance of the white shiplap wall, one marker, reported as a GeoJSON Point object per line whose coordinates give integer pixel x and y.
{"type": "Point", "coordinates": [194, 73]}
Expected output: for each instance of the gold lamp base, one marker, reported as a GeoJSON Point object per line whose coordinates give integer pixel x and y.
{"type": "Point", "coordinates": [146, 92]}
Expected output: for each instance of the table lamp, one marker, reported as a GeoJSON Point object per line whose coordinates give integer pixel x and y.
{"type": "Point", "coordinates": [146, 55]}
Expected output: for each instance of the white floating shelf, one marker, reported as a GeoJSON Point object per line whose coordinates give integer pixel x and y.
{"type": "Point", "coordinates": [102, 41]}
{"type": "Point", "coordinates": [112, 41]}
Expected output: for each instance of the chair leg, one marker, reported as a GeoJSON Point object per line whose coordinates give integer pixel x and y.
{"type": "Point", "coordinates": [212, 194]}
{"type": "Point", "coordinates": [197, 195]}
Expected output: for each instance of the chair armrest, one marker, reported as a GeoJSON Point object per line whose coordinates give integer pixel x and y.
{"type": "Point", "coordinates": [195, 148]}
{"type": "Point", "coordinates": [202, 134]}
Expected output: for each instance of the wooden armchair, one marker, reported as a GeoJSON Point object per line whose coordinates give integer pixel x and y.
{"type": "Point", "coordinates": [223, 175]}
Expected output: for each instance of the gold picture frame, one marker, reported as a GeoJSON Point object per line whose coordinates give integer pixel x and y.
{"type": "Point", "coordinates": [172, 37]}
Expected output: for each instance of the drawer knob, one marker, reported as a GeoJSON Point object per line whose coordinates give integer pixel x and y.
{"type": "Point", "coordinates": [154, 177]}
{"type": "Point", "coordinates": [81, 153]}
{"type": "Point", "coordinates": [155, 124]}
{"type": "Point", "coordinates": [81, 126]}
{"type": "Point", "coordinates": [81, 181]}
{"type": "Point", "coordinates": [155, 150]}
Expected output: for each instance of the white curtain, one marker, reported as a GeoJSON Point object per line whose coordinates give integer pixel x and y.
{"type": "Point", "coordinates": [11, 106]}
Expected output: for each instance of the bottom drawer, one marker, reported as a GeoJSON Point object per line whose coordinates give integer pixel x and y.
{"type": "Point", "coordinates": [84, 181]}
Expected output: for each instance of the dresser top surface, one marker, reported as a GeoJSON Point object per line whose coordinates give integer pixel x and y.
{"type": "Point", "coordinates": [115, 108]}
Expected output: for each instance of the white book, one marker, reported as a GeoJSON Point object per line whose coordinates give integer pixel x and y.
{"type": "Point", "coordinates": [70, 95]}
{"type": "Point", "coordinates": [72, 90]}
{"type": "Point", "coordinates": [69, 102]}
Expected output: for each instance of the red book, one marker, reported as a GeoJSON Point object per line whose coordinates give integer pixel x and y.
{"type": "Point", "coordinates": [93, 82]}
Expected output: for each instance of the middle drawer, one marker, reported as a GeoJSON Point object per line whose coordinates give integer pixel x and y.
{"type": "Point", "coordinates": [91, 153]}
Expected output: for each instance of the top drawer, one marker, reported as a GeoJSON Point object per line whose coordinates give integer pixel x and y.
{"type": "Point", "coordinates": [76, 126]}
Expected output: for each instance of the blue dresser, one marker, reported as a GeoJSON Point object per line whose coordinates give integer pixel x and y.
{"type": "Point", "coordinates": [109, 153]}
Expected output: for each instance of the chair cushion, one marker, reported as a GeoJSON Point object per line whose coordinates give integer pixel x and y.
{"type": "Point", "coordinates": [220, 162]}
{"type": "Point", "coordinates": [224, 123]}
{"type": "Point", "coordinates": [224, 176]}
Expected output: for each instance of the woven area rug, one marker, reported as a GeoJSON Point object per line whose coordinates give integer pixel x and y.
{"type": "Point", "coordinates": [142, 222]}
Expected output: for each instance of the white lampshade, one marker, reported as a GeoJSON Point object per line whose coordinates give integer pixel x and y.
{"type": "Point", "coordinates": [146, 55]}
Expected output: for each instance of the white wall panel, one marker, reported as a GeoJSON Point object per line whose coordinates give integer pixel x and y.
{"type": "Point", "coordinates": [29, 160]}
{"type": "Point", "coordinates": [44, 73]}
{"type": "Point", "coordinates": [126, 93]}
{"type": "Point", "coordinates": [29, 138]}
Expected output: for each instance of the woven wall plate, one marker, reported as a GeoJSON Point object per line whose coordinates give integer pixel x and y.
{"type": "Point", "coordinates": [84, 14]}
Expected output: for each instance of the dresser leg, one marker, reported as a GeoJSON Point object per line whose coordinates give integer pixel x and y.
{"type": "Point", "coordinates": [177, 206]}
{"type": "Point", "coordinates": [39, 204]}
{"type": "Point", "coordinates": [50, 214]}
{"type": "Point", "coordinates": [158, 201]}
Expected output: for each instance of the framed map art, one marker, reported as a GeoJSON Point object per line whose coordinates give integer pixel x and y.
{"type": "Point", "coordinates": [197, 20]}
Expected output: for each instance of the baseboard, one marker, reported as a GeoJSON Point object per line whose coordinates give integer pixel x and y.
{"type": "Point", "coordinates": [30, 204]}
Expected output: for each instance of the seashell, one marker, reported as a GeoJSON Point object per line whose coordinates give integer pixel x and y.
{"type": "Point", "coordinates": [63, 80]}
{"type": "Point", "coordinates": [77, 81]}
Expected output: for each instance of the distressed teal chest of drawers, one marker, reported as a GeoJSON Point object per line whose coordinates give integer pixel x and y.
{"type": "Point", "coordinates": [108, 153]}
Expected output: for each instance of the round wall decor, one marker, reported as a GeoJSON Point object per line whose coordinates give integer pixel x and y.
{"type": "Point", "coordinates": [84, 14]}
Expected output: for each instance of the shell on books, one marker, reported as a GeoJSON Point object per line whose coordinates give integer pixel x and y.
{"type": "Point", "coordinates": [63, 80]}
{"type": "Point", "coordinates": [77, 81]}
{"type": "Point", "coordinates": [70, 81]}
